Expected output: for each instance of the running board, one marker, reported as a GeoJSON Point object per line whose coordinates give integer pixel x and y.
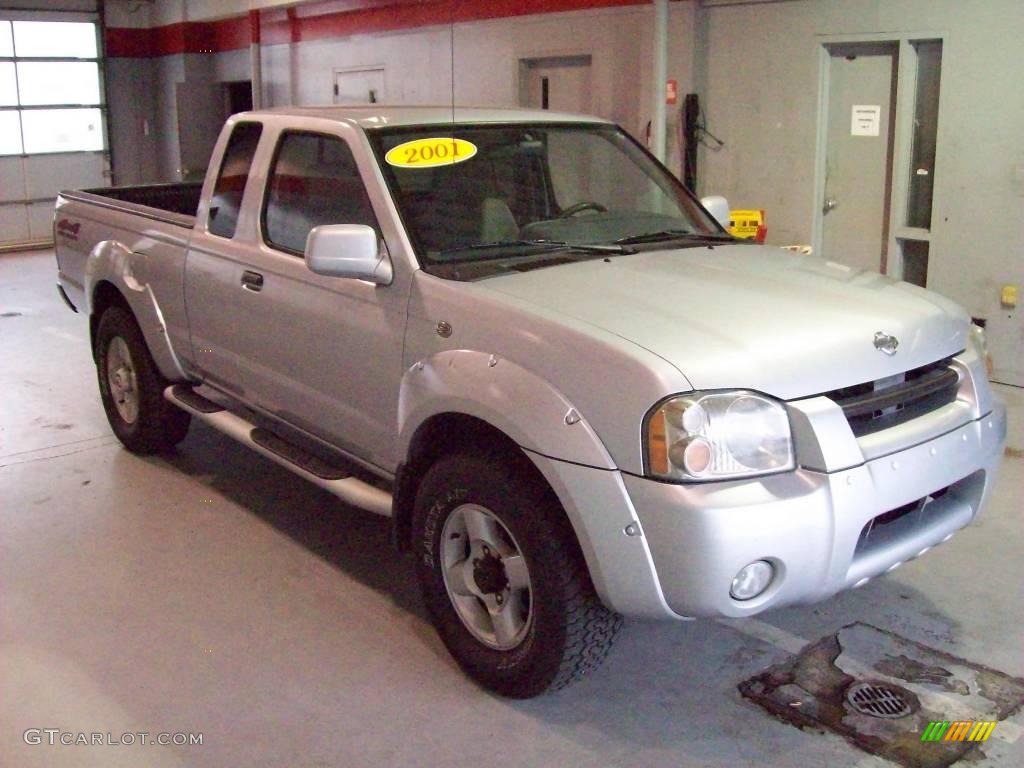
{"type": "Point", "coordinates": [332, 479]}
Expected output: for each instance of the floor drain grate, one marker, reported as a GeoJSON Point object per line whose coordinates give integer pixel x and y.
{"type": "Point", "coordinates": [878, 700]}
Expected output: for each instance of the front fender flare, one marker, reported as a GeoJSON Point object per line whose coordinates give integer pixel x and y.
{"type": "Point", "coordinates": [565, 450]}
{"type": "Point", "coordinates": [528, 409]}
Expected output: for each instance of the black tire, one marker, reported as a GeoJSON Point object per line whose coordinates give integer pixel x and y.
{"type": "Point", "coordinates": [568, 632]}
{"type": "Point", "coordinates": [157, 426]}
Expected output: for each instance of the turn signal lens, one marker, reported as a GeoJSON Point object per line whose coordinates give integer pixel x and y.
{"type": "Point", "coordinates": [657, 447]}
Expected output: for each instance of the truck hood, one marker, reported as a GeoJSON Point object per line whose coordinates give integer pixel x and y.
{"type": "Point", "coordinates": [754, 317]}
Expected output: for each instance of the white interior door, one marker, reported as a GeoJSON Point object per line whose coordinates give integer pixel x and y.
{"type": "Point", "coordinates": [859, 140]}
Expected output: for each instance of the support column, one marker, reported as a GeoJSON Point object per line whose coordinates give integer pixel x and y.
{"type": "Point", "coordinates": [660, 78]}
{"type": "Point", "coordinates": [255, 60]}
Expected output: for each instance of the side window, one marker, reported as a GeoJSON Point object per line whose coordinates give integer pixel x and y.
{"type": "Point", "coordinates": [234, 172]}
{"type": "Point", "coordinates": [313, 181]}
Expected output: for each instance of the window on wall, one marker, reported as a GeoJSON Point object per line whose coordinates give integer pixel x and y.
{"type": "Point", "coordinates": [50, 96]}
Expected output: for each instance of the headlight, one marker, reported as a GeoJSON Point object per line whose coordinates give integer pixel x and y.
{"type": "Point", "coordinates": [718, 435]}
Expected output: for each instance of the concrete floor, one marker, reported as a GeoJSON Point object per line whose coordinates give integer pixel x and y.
{"type": "Point", "coordinates": [212, 592]}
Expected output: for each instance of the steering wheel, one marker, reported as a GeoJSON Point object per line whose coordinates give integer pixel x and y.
{"type": "Point", "coordinates": [582, 205]}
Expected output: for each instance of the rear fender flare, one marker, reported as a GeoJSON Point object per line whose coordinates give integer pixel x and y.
{"type": "Point", "coordinates": [112, 262]}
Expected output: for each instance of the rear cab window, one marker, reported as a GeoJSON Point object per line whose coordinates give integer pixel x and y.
{"type": "Point", "coordinates": [234, 173]}
{"type": "Point", "coordinates": [313, 181]}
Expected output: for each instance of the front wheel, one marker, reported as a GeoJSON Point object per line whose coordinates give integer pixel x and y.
{"type": "Point", "coordinates": [503, 578]}
{"type": "Point", "coordinates": [132, 388]}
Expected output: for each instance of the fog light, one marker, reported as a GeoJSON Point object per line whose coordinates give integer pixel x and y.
{"type": "Point", "coordinates": [752, 580]}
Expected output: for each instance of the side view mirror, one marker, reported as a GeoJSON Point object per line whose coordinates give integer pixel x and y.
{"type": "Point", "coordinates": [718, 207]}
{"type": "Point", "coordinates": [348, 250]}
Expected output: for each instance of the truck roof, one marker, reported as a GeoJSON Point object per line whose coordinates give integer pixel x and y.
{"type": "Point", "coordinates": [371, 116]}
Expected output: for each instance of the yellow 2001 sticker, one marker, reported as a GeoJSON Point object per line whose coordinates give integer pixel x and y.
{"type": "Point", "coordinates": [429, 153]}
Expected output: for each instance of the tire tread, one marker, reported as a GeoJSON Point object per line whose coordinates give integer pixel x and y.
{"type": "Point", "coordinates": [587, 629]}
{"type": "Point", "coordinates": [160, 425]}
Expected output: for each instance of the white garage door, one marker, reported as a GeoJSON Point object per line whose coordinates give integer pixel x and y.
{"type": "Point", "coordinates": [52, 133]}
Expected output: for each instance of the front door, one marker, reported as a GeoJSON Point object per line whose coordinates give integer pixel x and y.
{"type": "Point", "coordinates": [858, 159]}
{"type": "Point", "coordinates": [322, 353]}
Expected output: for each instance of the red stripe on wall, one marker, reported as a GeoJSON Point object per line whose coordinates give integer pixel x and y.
{"type": "Point", "coordinates": [317, 21]}
{"type": "Point", "coordinates": [128, 42]}
{"type": "Point", "coordinates": [306, 24]}
{"type": "Point", "coordinates": [170, 39]}
{"type": "Point", "coordinates": [184, 37]}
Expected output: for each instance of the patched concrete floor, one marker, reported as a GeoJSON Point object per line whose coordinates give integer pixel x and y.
{"type": "Point", "coordinates": [213, 592]}
{"type": "Point", "coordinates": [911, 684]}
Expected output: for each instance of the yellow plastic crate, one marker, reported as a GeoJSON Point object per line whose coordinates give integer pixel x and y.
{"type": "Point", "coordinates": [747, 224]}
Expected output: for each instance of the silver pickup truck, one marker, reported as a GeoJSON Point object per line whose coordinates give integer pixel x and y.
{"type": "Point", "coordinates": [520, 337]}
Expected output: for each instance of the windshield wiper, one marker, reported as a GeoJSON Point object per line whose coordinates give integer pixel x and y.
{"type": "Point", "coordinates": [673, 234]}
{"type": "Point", "coordinates": [542, 245]}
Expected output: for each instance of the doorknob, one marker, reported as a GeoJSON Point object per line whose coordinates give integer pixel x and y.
{"type": "Point", "coordinates": [830, 203]}
{"type": "Point", "coordinates": [252, 281]}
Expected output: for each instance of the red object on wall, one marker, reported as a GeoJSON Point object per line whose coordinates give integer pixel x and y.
{"type": "Point", "coordinates": [671, 92]}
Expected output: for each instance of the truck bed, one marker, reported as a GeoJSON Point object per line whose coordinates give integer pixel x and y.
{"type": "Point", "coordinates": [154, 218]}
{"type": "Point", "coordinates": [174, 204]}
{"type": "Point", "coordinates": [181, 198]}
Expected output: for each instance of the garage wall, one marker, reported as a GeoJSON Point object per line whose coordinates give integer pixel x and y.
{"type": "Point", "coordinates": [418, 64]}
{"type": "Point", "coordinates": [133, 134]}
{"type": "Point", "coordinates": [143, 99]}
{"type": "Point", "coordinates": [760, 82]}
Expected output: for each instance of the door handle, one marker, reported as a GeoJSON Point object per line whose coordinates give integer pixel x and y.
{"type": "Point", "coordinates": [252, 281]}
{"type": "Point", "coordinates": [830, 203]}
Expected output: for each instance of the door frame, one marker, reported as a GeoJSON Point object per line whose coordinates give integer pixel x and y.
{"type": "Point", "coordinates": [527, 60]}
{"type": "Point", "coordinates": [903, 110]}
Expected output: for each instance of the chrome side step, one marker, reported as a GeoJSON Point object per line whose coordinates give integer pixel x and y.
{"type": "Point", "coordinates": [334, 480]}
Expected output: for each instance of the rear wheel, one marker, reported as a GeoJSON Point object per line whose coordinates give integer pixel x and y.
{"type": "Point", "coordinates": [132, 388]}
{"type": "Point", "coordinates": [503, 578]}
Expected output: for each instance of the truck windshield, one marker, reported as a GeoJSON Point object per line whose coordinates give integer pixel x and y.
{"type": "Point", "coordinates": [472, 193]}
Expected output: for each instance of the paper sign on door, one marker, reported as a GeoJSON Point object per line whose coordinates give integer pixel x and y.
{"type": "Point", "coordinates": [866, 120]}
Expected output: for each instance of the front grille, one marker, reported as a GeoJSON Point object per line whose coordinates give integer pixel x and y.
{"type": "Point", "coordinates": [877, 405]}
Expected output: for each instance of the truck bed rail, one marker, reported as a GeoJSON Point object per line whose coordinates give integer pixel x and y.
{"type": "Point", "coordinates": [171, 203]}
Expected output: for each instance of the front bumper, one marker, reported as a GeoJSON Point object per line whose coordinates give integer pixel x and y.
{"type": "Point", "coordinates": [822, 531]}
